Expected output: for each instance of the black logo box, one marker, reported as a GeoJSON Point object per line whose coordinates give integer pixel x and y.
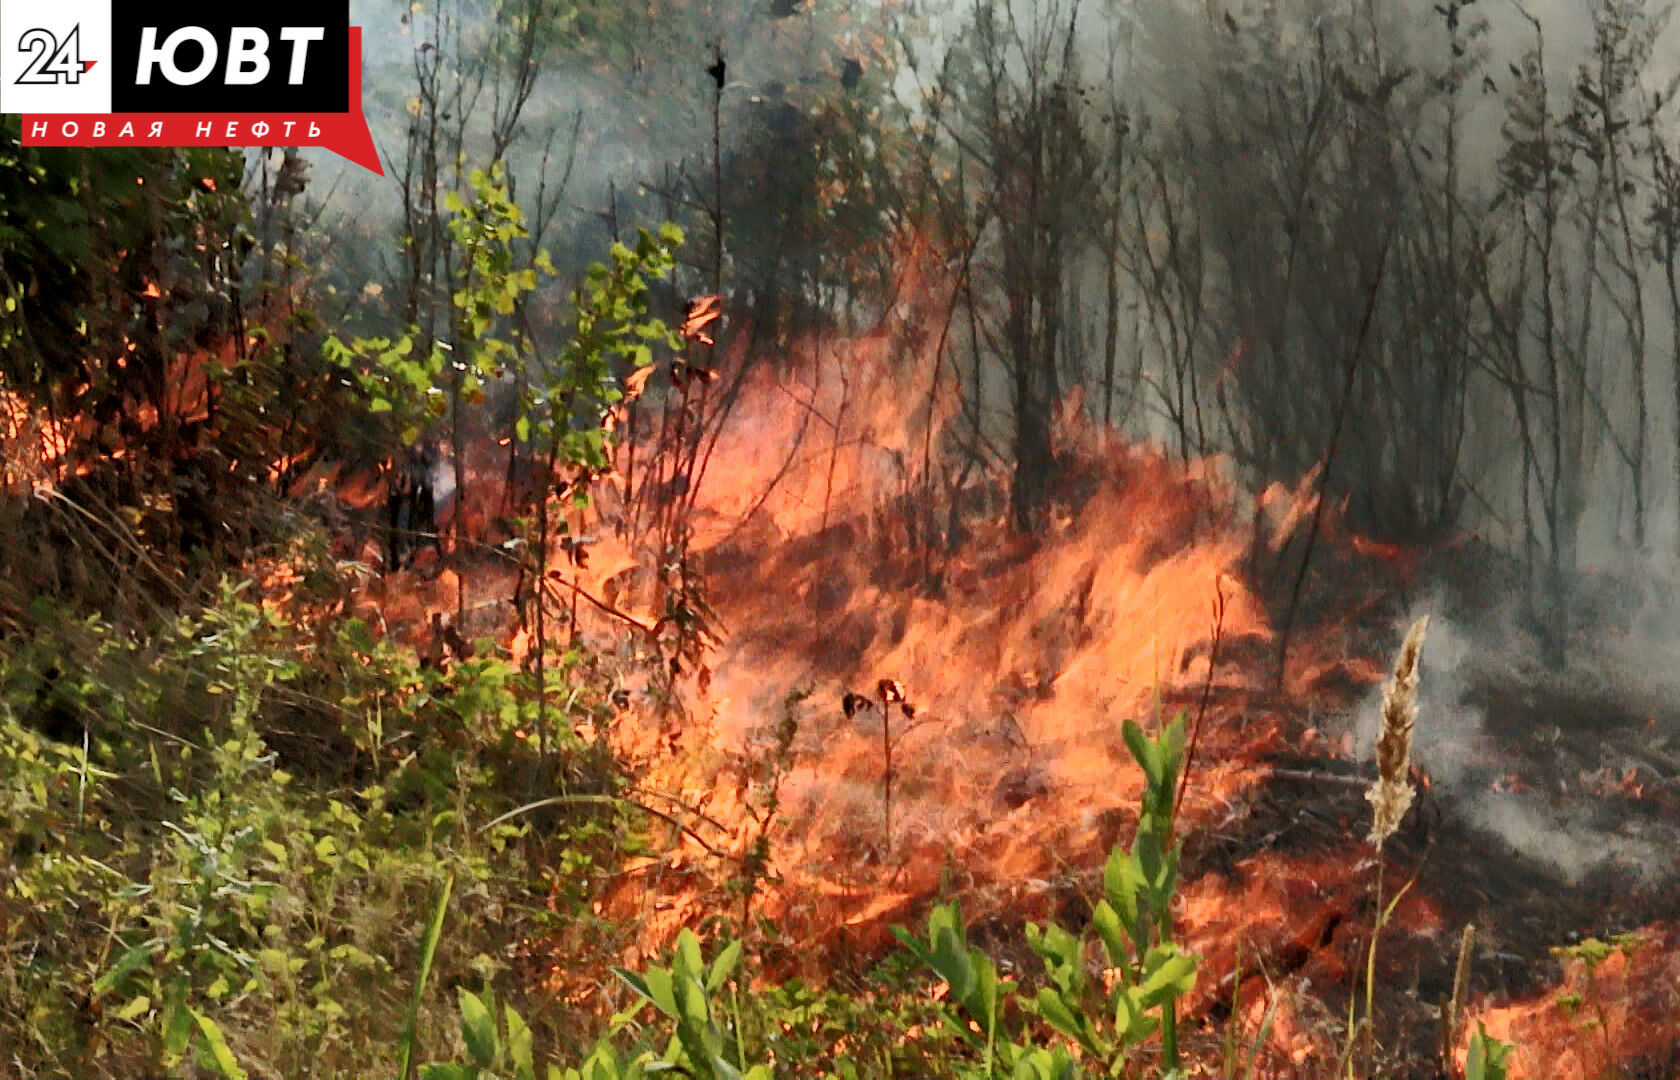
{"type": "Point", "coordinates": [326, 76]}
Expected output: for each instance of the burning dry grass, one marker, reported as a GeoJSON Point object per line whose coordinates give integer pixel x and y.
{"type": "Point", "coordinates": [831, 570]}
{"type": "Point", "coordinates": [1022, 670]}
{"type": "Point", "coordinates": [1021, 659]}
{"type": "Point", "coordinates": [1619, 1017]}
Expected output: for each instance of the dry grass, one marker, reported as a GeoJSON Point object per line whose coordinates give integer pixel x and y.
{"type": "Point", "coordinates": [1391, 794]}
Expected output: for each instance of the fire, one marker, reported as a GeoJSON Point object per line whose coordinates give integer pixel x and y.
{"type": "Point", "coordinates": [702, 312]}
{"type": "Point", "coordinates": [1021, 660]}
{"type": "Point", "coordinates": [825, 528]}
{"type": "Point", "coordinates": [1626, 1007]}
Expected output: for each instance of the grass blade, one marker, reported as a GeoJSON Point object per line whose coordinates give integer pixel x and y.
{"type": "Point", "coordinates": [428, 950]}
{"type": "Point", "coordinates": [1260, 1037]}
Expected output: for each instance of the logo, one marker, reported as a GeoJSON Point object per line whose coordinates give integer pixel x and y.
{"type": "Point", "coordinates": [55, 57]}
{"type": "Point", "coordinates": [53, 63]}
{"type": "Point", "coordinates": [114, 73]}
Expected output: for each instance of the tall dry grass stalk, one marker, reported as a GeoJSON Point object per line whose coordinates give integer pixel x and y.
{"type": "Point", "coordinates": [1452, 1009]}
{"type": "Point", "coordinates": [1391, 794]}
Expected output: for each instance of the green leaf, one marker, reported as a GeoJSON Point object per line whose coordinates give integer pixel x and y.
{"type": "Point", "coordinates": [951, 961]}
{"type": "Point", "coordinates": [723, 965]}
{"type": "Point", "coordinates": [1173, 739]}
{"type": "Point", "coordinates": [221, 1057]}
{"type": "Point", "coordinates": [448, 1072]}
{"type": "Point", "coordinates": [725, 1071]}
{"type": "Point", "coordinates": [1171, 975]}
{"type": "Point", "coordinates": [177, 1030]}
{"type": "Point", "coordinates": [640, 986]}
{"type": "Point", "coordinates": [687, 962]}
{"type": "Point", "coordinates": [661, 991]}
{"type": "Point", "coordinates": [1061, 953]}
{"type": "Point", "coordinates": [1076, 1026]}
{"type": "Point", "coordinates": [1132, 1021]}
{"type": "Point", "coordinates": [1123, 881]}
{"type": "Point", "coordinates": [519, 1044]}
{"type": "Point", "coordinates": [137, 1007]}
{"type": "Point", "coordinates": [428, 950]}
{"type": "Point", "coordinates": [131, 960]}
{"type": "Point", "coordinates": [1145, 750]}
{"type": "Point", "coordinates": [1488, 1057]}
{"type": "Point", "coordinates": [478, 1028]}
{"type": "Point", "coordinates": [1107, 922]}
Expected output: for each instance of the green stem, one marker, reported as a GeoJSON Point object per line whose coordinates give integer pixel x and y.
{"type": "Point", "coordinates": [991, 1032]}
{"type": "Point", "coordinates": [1371, 956]}
{"type": "Point", "coordinates": [740, 1036]}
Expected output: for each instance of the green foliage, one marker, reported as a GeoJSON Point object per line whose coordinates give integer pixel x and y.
{"type": "Point", "coordinates": [216, 905]}
{"type": "Point", "coordinates": [1487, 1057]}
{"type": "Point", "coordinates": [883, 1025]}
{"type": "Point", "coordinates": [500, 1047]}
{"type": "Point", "coordinates": [395, 379]}
{"type": "Point", "coordinates": [563, 403]}
{"type": "Point", "coordinates": [793, 1028]}
{"type": "Point", "coordinates": [258, 926]}
{"type": "Point", "coordinates": [1592, 953]}
{"type": "Point", "coordinates": [1132, 921]}
{"type": "Point", "coordinates": [683, 993]}
{"type": "Point", "coordinates": [415, 386]}
{"type": "Point", "coordinates": [565, 406]}
{"type": "Point", "coordinates": [79, 230]}
{"type": "Point", "coordinates": [982, 997]}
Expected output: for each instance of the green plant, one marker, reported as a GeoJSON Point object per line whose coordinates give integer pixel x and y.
{"type": "Point", "coordinates": [985, 1000]}
{"type": "Point", "coordinates": [428, 952]}
{"type": "Point", "coordinates": [1592, 953]}
{"type": "Point", "coordinates": [500, 1048]}
{"type": "Point", "coordinates": [1134, 923]}
{"type": "Point", "coordinates": [683, 993]}
{"type": "Point", "coordinates": [763, 803]}
{"type": "Point", "coordinates": [567, 409]}
{"type": "Point", "coordinates": [189, 931]}
{"type": "Point", "coordinates": [183, 895]}
{"type": "Point", "coordinates": [1487, 1057]}
{"type": "Point", "coordinates": [415, 388]}
{"type": "Point", "coordinates": [882, 1024]}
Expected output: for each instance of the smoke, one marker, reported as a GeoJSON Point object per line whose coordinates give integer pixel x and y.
{"type": "Point", "coordinates": [1540, 830]}
{"type": "Point", "coordinates": [1538, 778]}
{"type": "Point", "coordinates": [621, 113]}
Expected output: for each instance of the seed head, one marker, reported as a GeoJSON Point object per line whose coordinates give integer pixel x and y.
{"type": "Point", "coordinates": [1391, 794]}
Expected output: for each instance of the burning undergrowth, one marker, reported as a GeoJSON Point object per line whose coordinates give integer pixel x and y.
{"type": "Point", "coordinates": [1009, 781]}
{"type": "Point", "coordinates": [882, 621]}
{"type": "Point", "coordinates": [1016, 663]}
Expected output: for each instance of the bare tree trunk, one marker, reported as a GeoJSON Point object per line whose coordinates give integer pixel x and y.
{"type": "Point", "coordinates": [1111, 324]}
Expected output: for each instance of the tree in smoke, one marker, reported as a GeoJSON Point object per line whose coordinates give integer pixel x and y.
{"type": "Point", "coordinates": [1013, 82]}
